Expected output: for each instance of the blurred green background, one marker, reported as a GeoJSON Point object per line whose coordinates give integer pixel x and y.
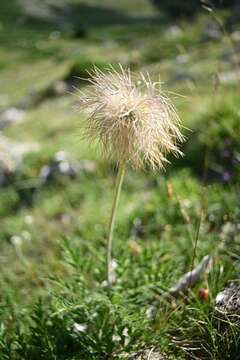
{"type": "Point", "coordinates": [56, 190]}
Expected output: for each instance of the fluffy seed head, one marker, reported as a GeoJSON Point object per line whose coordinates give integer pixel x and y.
{"type": "Point", "coordinates": [133, 120]}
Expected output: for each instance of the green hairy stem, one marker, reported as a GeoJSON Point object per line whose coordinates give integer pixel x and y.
{"type": "Point", "coordinates": [117, 192]}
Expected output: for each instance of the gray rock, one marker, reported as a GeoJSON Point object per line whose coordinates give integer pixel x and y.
{"type": "Point", "coordinates": [11, 116]}
{"type": "Point", "coordinates": [173, 32]}
{"type": "Point", "coordinates": [228, 300]}
{"type": "Point", "coordinates": [211, 32]}
{"type": "Point", "coordinates": [231, 55]}
{"type": "Point", "coordinates": [16, 148]}
{"type": "Point", "coordinates": [36, 97]}
{"type": "Point", "coordinates": [228, 77]}
{"type": "Point", "coordinates": [181, 76]}
{"type": "Point", "coordinates": [59, 165]}
{"type": "Point", "coordinates": [40, 10]}
{"type": "Point", "coordinates": [11, 154]}
{"type": "Point", "coordinates": [182, 59]}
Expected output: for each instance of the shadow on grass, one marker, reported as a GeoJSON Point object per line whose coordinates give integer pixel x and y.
{"type": "Point", "coordinates": [80, 13]}
{"type": "Point", "coordinates": [28, 25]}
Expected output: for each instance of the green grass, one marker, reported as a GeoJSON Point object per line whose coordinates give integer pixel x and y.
{"type": "Point", "coordinates": [53, 237]}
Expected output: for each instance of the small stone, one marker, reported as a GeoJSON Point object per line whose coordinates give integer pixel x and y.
{"type": "Point", "coordinates": [137, 228]}
{"type": "Point", "coordinates": [228, 300]}
{"type": "Point", "coordinates": [229, 77]}
{"type": "Point", "coordinates": [182, 59]}
{"type": "Point", "coordinates": [59, 165]}
{"type": "Point", "coordinates": [11, 156]}
{"type": "Point", "coordinates": [11, 116]}
{"type": "Point", "coordinates": [173, 32]}
{"type": "Point", "coordinates": [211, 32]}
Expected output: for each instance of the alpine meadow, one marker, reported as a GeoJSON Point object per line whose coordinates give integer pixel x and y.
{"type": "Point", "coordinates": [119, 180]}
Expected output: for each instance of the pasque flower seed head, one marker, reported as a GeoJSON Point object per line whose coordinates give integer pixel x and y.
{"type": "Point", "coordinates": [134, 121]}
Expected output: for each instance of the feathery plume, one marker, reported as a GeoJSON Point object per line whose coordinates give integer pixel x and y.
{"type": "Point", "coordinates": [134, 121]}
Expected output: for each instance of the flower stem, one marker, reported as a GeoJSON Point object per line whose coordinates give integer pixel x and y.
{"type": "Point", "coordinates": [117, 192]}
